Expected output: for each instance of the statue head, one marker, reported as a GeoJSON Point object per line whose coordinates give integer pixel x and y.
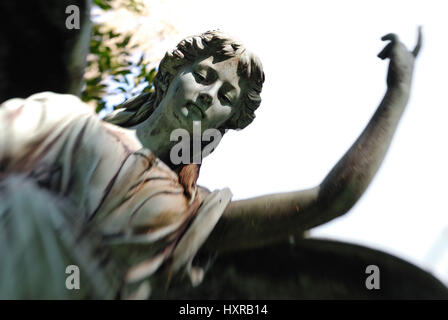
{"type": "Point", "coordinates": [197, 64]}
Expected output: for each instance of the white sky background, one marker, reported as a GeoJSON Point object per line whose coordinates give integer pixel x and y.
{"type": "Point", "coordinates": [323, 83]}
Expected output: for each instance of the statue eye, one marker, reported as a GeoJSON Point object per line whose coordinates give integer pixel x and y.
{"type": "Point", "coordinates": [200, 76]}
{"type": "Point", "coordinates": [226, 99]}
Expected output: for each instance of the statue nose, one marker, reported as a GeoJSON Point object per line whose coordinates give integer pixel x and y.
{"type": "Point", "coordinates": [205, 100]}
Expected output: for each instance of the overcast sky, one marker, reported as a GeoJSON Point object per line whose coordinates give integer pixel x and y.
{"type": "Point", "coordinates": [323, 83]}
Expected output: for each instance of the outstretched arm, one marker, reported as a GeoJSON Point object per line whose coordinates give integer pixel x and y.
{"type": "Point", "coordinates": [256, 221]}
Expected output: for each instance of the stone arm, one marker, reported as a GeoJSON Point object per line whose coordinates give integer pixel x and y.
{"type": "Point", "coordinates": [270, 218]}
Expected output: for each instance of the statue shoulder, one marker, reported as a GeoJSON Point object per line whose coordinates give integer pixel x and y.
{"type": "Point", "coordinates": [26, 122]}
{"type": "Point", "coordinates": [40, 111]}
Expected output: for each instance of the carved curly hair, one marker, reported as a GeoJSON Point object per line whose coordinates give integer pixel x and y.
{"type": "Point", "coordinates": [211, 43]}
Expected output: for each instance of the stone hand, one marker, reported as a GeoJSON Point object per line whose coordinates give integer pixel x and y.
{"type": "Point", "coordinates": [401, 59]}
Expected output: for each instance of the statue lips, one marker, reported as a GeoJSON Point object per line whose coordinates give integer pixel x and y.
{"type": "Point", "coordinates": [196, 111]}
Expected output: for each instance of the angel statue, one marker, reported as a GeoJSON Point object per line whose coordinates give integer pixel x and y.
{"type": "Point", "coordinates": [104, 198]}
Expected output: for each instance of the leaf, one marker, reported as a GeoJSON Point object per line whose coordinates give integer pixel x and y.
{"type": "Point", "coordinates": [103, 4]}
{"type": "Point", "coordinates": [121, 71]}
{"type": "Point", "coordinates": [125, 41]}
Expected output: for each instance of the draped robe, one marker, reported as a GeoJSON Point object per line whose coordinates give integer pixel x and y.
{"type": "Point", "coordinates": [73, 190]}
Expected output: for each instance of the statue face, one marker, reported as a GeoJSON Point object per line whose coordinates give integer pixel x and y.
{"type": "Point", "coordinates": [206, 92]}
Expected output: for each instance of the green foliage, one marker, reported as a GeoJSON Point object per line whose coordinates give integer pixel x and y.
{"type": "Point", "coordinates": [114, 66]}
{"type": "Point", "coordinates": [133, 5]}
{"type": "Point", "coordinates": [103, 4]}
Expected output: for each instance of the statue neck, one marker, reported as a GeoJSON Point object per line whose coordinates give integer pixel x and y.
{"type": "Point", "coordinates": [154, 134]}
